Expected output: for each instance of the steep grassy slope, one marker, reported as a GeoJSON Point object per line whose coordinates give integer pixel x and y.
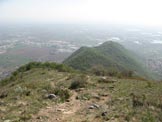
{"type": "Point", "coordinates": [79, 97]}
{"type": "Point", "coordinates": [110, 55]}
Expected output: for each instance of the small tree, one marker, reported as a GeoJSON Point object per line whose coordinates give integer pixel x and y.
{"type": "Point", "coordinates": [98, 70]}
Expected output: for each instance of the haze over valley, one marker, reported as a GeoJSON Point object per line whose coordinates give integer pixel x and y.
{"type": "Point", "coordinates": [20, 44]}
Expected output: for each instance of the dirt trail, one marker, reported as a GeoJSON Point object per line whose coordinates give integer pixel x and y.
{"type": "Point", "coordinates": [59, 112]}
{"type": "Point", "coordinates": [72, 111]}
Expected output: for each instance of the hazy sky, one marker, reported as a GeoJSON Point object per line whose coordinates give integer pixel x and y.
{"type": "Point", "coordinates": [147, 12]}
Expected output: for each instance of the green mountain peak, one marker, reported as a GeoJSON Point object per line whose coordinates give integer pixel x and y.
{"type": "Point", "coordinates": [111, 55]}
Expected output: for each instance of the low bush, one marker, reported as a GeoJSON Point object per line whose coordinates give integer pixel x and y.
{"type": "Point", "coordinates": [50, 65]}
{"type": "Point", "coordinates": [98, 70]}
{"type": "Point", "coordinates": [79, 82]}
{"type": "Point", "coordinates": [63, 94]}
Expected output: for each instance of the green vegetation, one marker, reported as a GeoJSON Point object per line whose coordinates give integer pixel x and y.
{"type": "Point", "coordinates": [47, 65]}
{"type": "Point", "coordinates": [24, 93]}
{"type": "Point", "coordinates": [25, 96]}
{"type": "Point", "coordinates": [64, 94]}
{"type": "Point", "coordinates": [111, 56]}
{"type": "Point", "coordinates": [138, 100]}
{"type": "Point", "coordinates": [78, 82]}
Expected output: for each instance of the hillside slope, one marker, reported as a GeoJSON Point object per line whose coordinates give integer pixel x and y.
{"type": "Point", "coordinates": [50, 92]}
{"type": "Point", "coordinates": [110, 55]}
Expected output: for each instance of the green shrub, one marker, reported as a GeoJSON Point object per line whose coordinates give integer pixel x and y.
{"type": "Point", "coordinates": [50, 65]}
{"type": "Point", "coordinates": [63, 94]}
{"type": "Point", "coordinates": [25, 117]}
{"type": "Point", "coordinates": [4, 82]}
{"type": "Point", "coordinates": [127, 74]}
{"type": "Point", "coordinates": [20, 91]}
{"type": "Point", "coordinates": [98, 70]}
{"type": "Point", "coordinates": [85, 96]}
{"type": "Point", "coordinates": [112, 73]}
{"type": "Point", "coordinates": [79, 82]}
{"type": "Point", "coordinates": [149, 118]}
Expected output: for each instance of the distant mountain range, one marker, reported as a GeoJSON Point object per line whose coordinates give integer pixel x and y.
{"type": "Point", "coordinates": [110, 55]}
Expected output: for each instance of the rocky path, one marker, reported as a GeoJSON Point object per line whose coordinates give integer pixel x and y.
{"type": "Point", "coordinates": [59, 112]}
{"type": "Point", "coordinates": [74, 110]}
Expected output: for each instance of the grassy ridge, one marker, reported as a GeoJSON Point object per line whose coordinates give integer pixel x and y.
{"type": "Point", "coordinates": [111, 55]}
{"type": "Point", "coordinates": [23, 95]}
{"type": "Point", "coordinates": [46, 65]}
